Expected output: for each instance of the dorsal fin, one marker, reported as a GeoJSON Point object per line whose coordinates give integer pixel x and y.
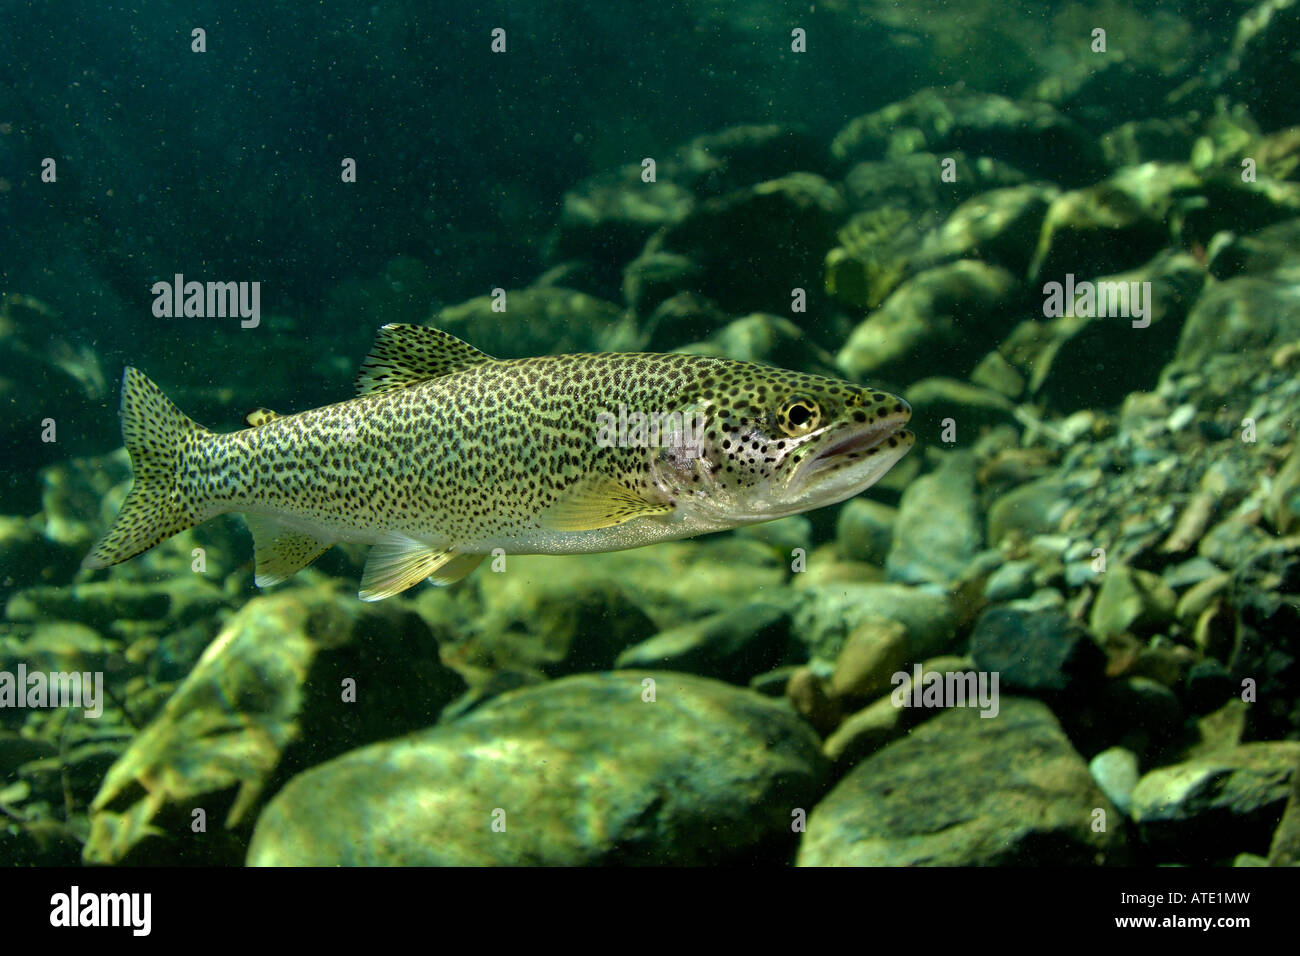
{"type": "Point", "coordinates": [405, 354]}
{"type": "Point", "coordinates": [259, 416]}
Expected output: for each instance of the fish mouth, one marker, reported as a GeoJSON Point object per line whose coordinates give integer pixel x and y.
{"type": "Point", "coordinates": [858, 443]}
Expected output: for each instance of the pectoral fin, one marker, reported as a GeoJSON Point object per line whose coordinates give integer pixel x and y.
{"type": "Point", "coordinates": [599, 502]}
{"type": "Point", "coordinates": [279, 551]}
{"type": "Point", "coordinates": [399, 562]}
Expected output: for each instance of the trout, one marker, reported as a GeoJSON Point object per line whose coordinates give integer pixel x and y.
{"type": "Point", "coordinates": [447, 454]}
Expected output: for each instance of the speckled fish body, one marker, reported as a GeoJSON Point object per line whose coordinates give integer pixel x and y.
{"type": "Point", "coordinates": [448, 454]}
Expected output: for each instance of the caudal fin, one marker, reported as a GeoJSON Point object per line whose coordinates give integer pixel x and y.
{"type": "Point", "coordinates": [156, 435]}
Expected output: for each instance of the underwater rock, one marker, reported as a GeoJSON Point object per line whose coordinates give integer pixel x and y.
{"type": "Point", "coordinates": [768, 339]}
{"type": "Point", "coordinates": [921, 187]}
{"type": "Point", "coordinates": [1032, 137]}
{"type": "Point", "coordinates": [1245, 314]}
{"type": "Point", "coordinates": [830, 614]}
{"type": "Point", "coordinates": [1116, 772]}
{"type": "Point", "coordinates": [1096, 357]}
{"type": "Point", "coordinates": [580, 771]}
{"type": "Point", "coordinates": [810, 697]}
{"type": "Point", "coordinates": [607, 219]}
{"type": "Point", "coordinates": [863, 733]}
{"type": "Point", "coordinates": [552, 616]}
{"type": "Point", "coordinates": [866, 731]}
{"type": "Point", "coordinates": [1131, 600]}
{"type": "Point", "coordinates": [1273, 248]}
{"type": "Point", "coordinates": [757, 244]}
{"type": "Point", "coordinates": [1035, 507]}
{"type": "Point", "coordinates": [1139, 83]}
{"type": "Point", "coordinates": [877, 649]}
{"type": "Point", "coordinates": [682, 319]}
{"type": "Point", "coordinates": [1141, 714]}
{"type": "Point", "coordinates": [1208, 808]}
{"type": "Point", "coordinates": [1155, 140]}
{"type": "Point", "coordinates": [102, 604]}
{"type": "Point", "coordinates": [928, 321]}
{"type": "Point", "coordinates": [270, 694]}
{"type": "Point", "coordinates": [1110, 226]}
{"type": "Point", "coordinates": [1011, 581]}
{"type": "Point", "coordinates": [998, 227]}
{"type": "Point", "coordinates": [938, 529]}
{"type": "Point", "coordinates": [543, 320]}
{"type": "Point", "coordinates": [961, 790]}
{"type": "Point", "coordinates": [739, 156]}
{"type": "Point", "coordinates": [657, 587]}
{"type": "Point", "coordinates": [864, 530]}
{"type": "Point", "coordinates": [1036, 651]}
{"type": "Point", "coordinates": [47, 375]}
{"type": "Point", "coordinates": [1285, 849]}
{"type": "Point", "coordinates": [654, 277]}
{"type": "Point", "coordinates": [73, 494]}
{"type": "Point", "coordinates": [1232, 541]}
{"type": "Point", "coordinates": [874, 255]}
{"type": "Point", "coordinates": [1208, 686]}
{"type": "Point", "coordinates": [1267, 654]}
{"type": "Point", "coordinates": [27, 556]}
{"type": "Point", "coordinates": [732, 645]}
{"type": "Point", "coordinates": [973, 408]}
{"type": "Point", "coordinates": [1261, 69]}
{"type": "Point", "coordinates": [54, 645]}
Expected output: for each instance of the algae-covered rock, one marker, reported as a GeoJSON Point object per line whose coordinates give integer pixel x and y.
{"type": "Point", "coordinates": [1262, 68]}
{"type": "Point", "coordinates": [1245, 314]}
{"type": "Point", "coordinates": [608, 218]}
{"type": "Point", "coordinates": [1114, 339]}
{"type": "Point", "coordinates": [739, 156]}
{"type": "Point", "coordinates": [831, 613]}
{"type": "Point", "coordinates": [1131, 599]}
{"type": "Point", "coordinates": [864, 530]}
{"type": "Point", "coordinates": [770, 340]}
{"type": "Point", "coordinates": [556, 618]}
{"type": "Point", "coordinates": [733, 645]}
{"type": "Point", "coordinates": [972, 408]}
{"type": "Point", "coordinates": [962, 790]}
{"type": "Point", "coordinates": [938, 529]}
{"type": "Point", "coordinates": [545, 320]}
{"type": "Point", "coordinates": [757, 244]}
{"type": "Point", "coordinates": [307, 667]}
{"type": "Point", "coordinates": [1032, 137]}
{"type": "Point", "coordinates": [28, 556]}
{"type": "Point", "coordinates": [1037, 651]}
{"type": "Point", "coordinates": [997, 227]}
{"type": "Point", "coordinates": [1110, 226]}
{"type": "Point", "coordinates": [922, 325]}
{"type": "Point", "coordinates": [591, 769]}
{"type": "Point", "coordinates": [1210, 807]}
{"type": "Point", "coordinates": [49, 379]}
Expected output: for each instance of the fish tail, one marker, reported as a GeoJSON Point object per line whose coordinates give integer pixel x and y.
{"type": "Point", "coordinates": [158, 437]}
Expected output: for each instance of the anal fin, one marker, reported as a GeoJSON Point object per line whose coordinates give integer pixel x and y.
{"type": "Point", "coordinates": [279, 551]}
{"type": "Point", "coordinates": [399, 562]}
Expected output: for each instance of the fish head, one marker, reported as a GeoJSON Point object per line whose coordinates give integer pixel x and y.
{"type": "Point", "coordinates": [769, 443]}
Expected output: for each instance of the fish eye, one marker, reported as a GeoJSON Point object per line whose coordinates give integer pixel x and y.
{"type": "Point", "coordinates": [799, 416]}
